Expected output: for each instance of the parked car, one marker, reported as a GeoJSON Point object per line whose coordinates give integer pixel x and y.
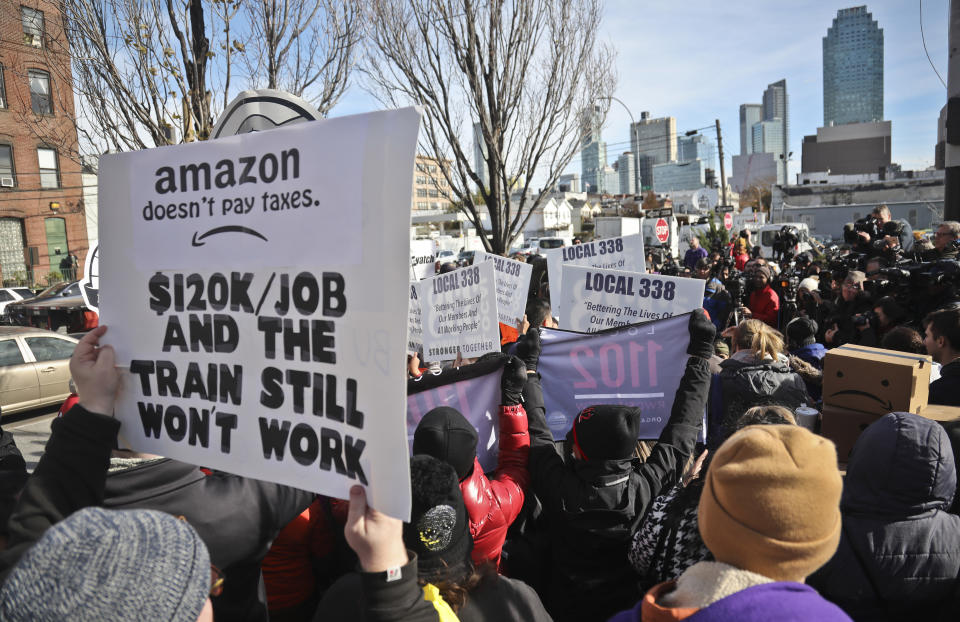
{"type": "Point", "coordinates": [58, 305]}
{"type": "Point", "coordinates": [34, 368]}
{"type": "Point", "coordinates": [12, 294]}
{"type": "Point", "coordinates": [465, 258]}
{"type": "Point", "coordinates": [445, 256]}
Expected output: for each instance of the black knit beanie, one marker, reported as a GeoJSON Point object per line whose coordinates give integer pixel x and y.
{"type": "Point", "coordinates": [446, 435]}
{"type": "Point", "coordinates": [801, 331]}
{"type": "Point", "coordinates": [606, 432]}
{"type": "Point", "coordinates": [439, 530]}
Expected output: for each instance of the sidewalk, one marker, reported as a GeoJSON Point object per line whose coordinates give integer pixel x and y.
{"type": "Point", "coordinates": [31, 437]}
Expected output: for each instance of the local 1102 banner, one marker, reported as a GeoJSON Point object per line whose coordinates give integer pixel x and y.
{"type": "Point", "coordinates": [639, 365]}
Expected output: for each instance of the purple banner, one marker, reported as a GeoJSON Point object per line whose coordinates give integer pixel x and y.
{"type": "Point", "coordinates": [474, 390]}
{"type": "Point", "coordinates": [639, 365]}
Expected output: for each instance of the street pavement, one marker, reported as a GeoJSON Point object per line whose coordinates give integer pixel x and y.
{"type": "Point", "coordinates": [31, 434]}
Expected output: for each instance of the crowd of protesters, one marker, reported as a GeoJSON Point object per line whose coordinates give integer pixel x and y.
{"type": "Point", "coordinates": [755, 522]}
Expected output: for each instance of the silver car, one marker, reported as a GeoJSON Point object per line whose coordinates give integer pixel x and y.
{"type": "Point", "coordinates": [34, 368]}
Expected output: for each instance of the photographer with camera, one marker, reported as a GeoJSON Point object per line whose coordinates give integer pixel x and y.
{"type": "Point", "coordinates": [852, 302]}
{"type": "Point", "coordinates": [944, 242]}
{"type": "Point", "coordinates": [879, 233]}
{"type": "Point", "coordinates": [874, 324]}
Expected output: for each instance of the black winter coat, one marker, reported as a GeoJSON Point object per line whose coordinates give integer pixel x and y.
{"type": "Point", "coordinates": [236, 517]}
{"type": "Point", "coordinates": [945, 390]}
{"type": "Point", "coordinates": [593, 507]}
{"type": "Point", "coordinates": [69, 477]}
{"type": "Point", "coordinates": [899, 553]}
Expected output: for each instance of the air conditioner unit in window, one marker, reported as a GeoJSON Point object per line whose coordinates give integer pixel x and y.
{"type": "Point", "coordinates": [6, 182]}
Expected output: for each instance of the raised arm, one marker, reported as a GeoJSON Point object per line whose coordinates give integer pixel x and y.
{"type": "Point", "coordinates": [72, 473]}
{"type": "Point", "coordinates": [679, 436]}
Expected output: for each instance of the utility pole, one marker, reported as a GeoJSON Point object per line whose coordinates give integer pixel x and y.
{"type": "Point", "coordinates": [723, 174]}
{"type": "Point", "coordinates": [951, 194]}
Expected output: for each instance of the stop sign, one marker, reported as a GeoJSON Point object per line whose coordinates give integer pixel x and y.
{"type": "Point", "coordinates": [662, 230]}
{"type": "Point", "coordinates": [728, 221]}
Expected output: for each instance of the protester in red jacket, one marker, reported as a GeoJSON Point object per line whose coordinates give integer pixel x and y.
{"type": "Point", "coordinates": [492, 504]}
{"type": "Point", "coordinates": [764, 304]}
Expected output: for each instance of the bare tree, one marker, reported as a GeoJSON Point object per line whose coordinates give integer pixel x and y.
{"type": "Point", "coordinates": [145, 71]}
{"type": "Point", "coordinates": [523, 69]}
{"type": "Point", "coordinates": [305, 47]}
{"type": "Point", "coordinates": [140, 72]}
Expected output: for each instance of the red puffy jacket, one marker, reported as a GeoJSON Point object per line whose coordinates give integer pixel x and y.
{"type": "Point", "coordinates": [492, 505]}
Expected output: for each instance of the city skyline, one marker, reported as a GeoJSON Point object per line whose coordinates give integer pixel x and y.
{"type": "Point", "coordinates": [913, 95]}
{"type": "Point", "coordinates": [701, 83]}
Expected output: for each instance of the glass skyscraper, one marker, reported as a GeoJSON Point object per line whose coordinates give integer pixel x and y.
{"type": "Point", "coordinates": [593, 151]}
{"type": "Point", "coordinates": [853, 69]}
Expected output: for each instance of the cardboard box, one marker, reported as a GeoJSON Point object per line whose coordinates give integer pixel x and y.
{"type": "Point", "coordinates": [876, 381]}
{"type": "Point", "coordinates": [843, 426]}
{"type": "Point", "coordinates": [940, 413]}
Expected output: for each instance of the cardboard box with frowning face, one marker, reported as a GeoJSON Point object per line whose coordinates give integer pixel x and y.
{"type": "Point", "coordinates": [876, 381]}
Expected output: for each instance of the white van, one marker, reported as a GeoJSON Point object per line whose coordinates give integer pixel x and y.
{"type": "Point", "coordinates": [765, 235]}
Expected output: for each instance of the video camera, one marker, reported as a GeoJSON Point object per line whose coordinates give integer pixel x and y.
{"type": "Point", "coordinates": [784, 243]}
{"type": "Point", "coordinates": [877, 245]}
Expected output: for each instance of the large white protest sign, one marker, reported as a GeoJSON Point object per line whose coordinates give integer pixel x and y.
{"type": "Point", "coordinates": [255, 289]}
{"type": "Point", "coordinates": [624, 253]}
{"type": "Point", "coordinates": [459, 313]}
{"type": "Point", "coordinates": [597, 299]}
{"type": "Point", "coordinates": [414, 324]}
{"type": "Point", "coordinates": [423, 259]}
{"type": "Point", "coordinates": [513, 281]}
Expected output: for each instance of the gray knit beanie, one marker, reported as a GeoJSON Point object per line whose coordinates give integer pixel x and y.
{"type": "Point", "coordinates": [108, 565]}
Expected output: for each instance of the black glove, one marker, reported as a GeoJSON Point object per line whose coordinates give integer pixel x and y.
{"type": "Point", "coordinates": [512, 379]}
{"type": "Point", "coordinates": [702, 334]}
{"type": "Point", "coordinates": [528, 348]}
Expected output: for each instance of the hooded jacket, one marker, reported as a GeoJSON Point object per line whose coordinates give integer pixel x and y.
{"type": "Point", "coordinates": [899, 553]}
{"type": "Point", "coordinates": [744, 382]}
{"type": "Point", "coordinates": [594, 506]}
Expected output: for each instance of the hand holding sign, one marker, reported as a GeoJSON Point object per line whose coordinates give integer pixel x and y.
{"type": "Point", "coordinates": [376, 538]}
{"type": "Point", "coordinates": [93, 371]}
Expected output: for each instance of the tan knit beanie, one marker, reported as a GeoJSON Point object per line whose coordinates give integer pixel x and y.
{"type": "Point", "coordinates": [771, 502]}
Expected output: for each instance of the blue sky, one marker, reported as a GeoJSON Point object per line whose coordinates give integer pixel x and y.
{"type": "Point", "coordinates": [698, 60]}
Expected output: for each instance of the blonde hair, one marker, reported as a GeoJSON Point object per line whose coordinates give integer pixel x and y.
{"type": "Point", "coordinates": [741, 244]}
{"type": "Point", "coordinates": [759, 338]}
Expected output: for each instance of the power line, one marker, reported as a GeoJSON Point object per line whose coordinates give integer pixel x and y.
{"type": "Point", "coordinates": [924, 41]}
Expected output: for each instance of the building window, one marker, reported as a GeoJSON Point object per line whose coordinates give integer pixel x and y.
{"type": "Point", "coordinates": [3, 89]}
{"type": "Point", "coordinates": [7, 178]}
{"type": "Point", "coordinates": [32, 20]}
{"type": "Point", "coordinates": [421, 168]}
{"type": "Point", "coordinates": [433, 193]}
{"type": "Point", "coordinates": [49, 172]}
{"type": "Point", "coordinates": [421, 205]}
{"type": "Point", "coordinates": [421, 193]}
{"type": "Point", "coordinates": [40, 99]}
{"type": "Point", "coordinates": [421, 179]}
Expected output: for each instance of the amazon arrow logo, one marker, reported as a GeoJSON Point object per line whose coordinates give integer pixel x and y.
{"type": "Point", "coordinates": [198, 240]}
{"type": "Point", "coordinates": [886, 404]}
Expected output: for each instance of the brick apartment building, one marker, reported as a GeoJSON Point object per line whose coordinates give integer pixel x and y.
{"type": "Point", "coordinates": [41, 194]}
